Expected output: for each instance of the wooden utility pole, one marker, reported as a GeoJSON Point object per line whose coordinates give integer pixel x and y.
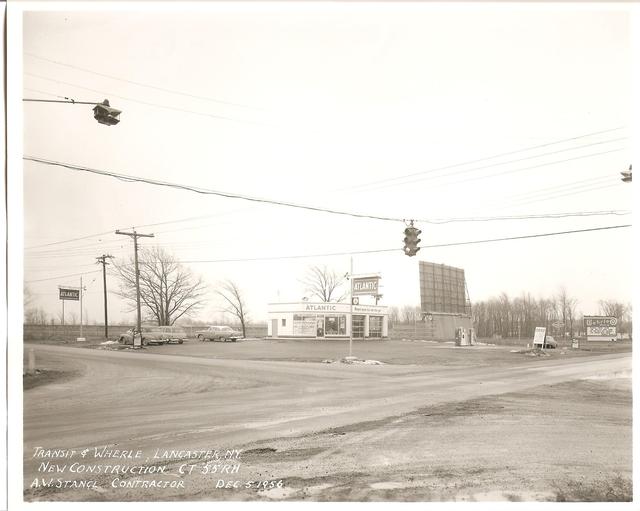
{"type": "Point", "coordinates": [103, 260]}
{"type": "Point", "coordinates": [135, 237]}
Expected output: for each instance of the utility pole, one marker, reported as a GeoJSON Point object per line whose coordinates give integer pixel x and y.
{"type": "Point", "coordinates": [80, 306]}
{"type": "Point", "coordinates": [351, 306]}
{"type": "Point", "coordinates": [135, 237]}
{"type": "Point", "coordinates": [103, 260]}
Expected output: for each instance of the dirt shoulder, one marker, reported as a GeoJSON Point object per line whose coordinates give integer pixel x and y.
{"type": "Point", "coordinates": [570, 441]}
{"type": "Point", "coordinates": [553, 443]}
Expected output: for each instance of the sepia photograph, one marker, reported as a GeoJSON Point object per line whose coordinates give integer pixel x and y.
{"type": "Point", "coordinates": [320, 252]}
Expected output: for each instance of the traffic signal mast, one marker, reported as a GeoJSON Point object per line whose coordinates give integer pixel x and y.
{"type": "Point", "coordinates": [411, 240]}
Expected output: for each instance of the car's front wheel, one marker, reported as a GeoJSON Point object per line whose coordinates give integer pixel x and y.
{"type": "Point", "coordinates": [200, 338]}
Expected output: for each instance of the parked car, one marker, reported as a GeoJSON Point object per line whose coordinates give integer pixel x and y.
{"type": "Point", "coordinates": [550, 342]}
{"type": "Point", "coordinates": [173, 334]}
{"type": "Point", "coordinates": [156, 335]}
{"type": "Point", "coordinates": [218, 333]}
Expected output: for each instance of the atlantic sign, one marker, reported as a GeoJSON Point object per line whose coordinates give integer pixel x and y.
{"type": "Point", "coordinates": [365, 286]}
{"type": "Point", "coordinates": [69, 294]}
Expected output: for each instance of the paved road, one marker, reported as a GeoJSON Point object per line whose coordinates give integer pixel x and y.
{"type": "Point", "coordinates": [145, 401]}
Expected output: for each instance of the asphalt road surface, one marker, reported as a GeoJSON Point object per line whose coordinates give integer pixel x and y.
{"type": "Point", "coordinates": [146, 401]}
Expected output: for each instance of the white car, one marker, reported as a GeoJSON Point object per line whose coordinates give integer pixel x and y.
{"type": "Point", "coordinates": [218, 333]}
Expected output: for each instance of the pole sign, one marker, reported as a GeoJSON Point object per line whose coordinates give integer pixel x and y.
{"type": "Point", "coordinates": [538, 336]}
{"type": "Point", "coordinates": [601, 328]}
{"type": "Point", "coordinates": [69, 294]}
{"type": "Point", "coordinates": [365, 286]}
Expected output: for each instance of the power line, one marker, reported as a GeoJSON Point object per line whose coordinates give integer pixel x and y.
{"type": "Point", "coordinates": [557, 188]}
{"type": "Point", "coordinates": [542, 235]}
{"type": "Point", "coordinates": [469, 162]}
{"type": "Point", "coordinates": [68, 241]}
{"type": "Point", "coordinates": [527, 217]}
{"type": "Point", "coordinates": [260, 200]}
{"type": "Point", "coordinates": [43, 92]}
{"type": "Point", "coordinates": [62, 276]}
{"type": "Point", "coordinates": [331, 254]}
{"type": "Point", "coordinates": [140, 84]}
{"type": "Point", "coordinates": [453, 244]}
{"type": "Point", "coordinates": [205, 191]}
{"type": "Point", "coordinates": [512, 171]}
{"type": "Point", "coordinates": [576, 192]}
{"type": "Point", "coordinates": [147, 103]}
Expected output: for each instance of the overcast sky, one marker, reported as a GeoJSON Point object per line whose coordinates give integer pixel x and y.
{"type": "Point", "coordinates": [332, 106]}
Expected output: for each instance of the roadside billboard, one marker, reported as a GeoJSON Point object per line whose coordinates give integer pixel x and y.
{"type": "Point", "coordinates": [69, 293]}
{"type": "Point", "coordinates": [601, 328]}
{"type": "Point", "coordinates": [443, 289]}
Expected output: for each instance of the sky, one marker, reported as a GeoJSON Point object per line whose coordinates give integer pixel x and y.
{"type": "Point", "coordinates": [405, 111]}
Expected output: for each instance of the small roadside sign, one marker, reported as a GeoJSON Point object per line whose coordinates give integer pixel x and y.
{"type": "Point", "coordinates": [538, 336]}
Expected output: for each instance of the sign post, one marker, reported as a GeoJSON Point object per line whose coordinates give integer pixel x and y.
{"type": "Point", "coordinates": [351, 306]}
{"type": "Point", "coordinates": [68, 293]}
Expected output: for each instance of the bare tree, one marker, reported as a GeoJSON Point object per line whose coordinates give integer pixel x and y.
{"type": "Point", "coordinates": [394, 315]}
{"type": "Point", "coordinates": [619, 310]}
{"type": "Point", "coordinates": [565, 307]}
{"type": "Point", "coordinates": [27, 296]}
{"type": "Point", "coordinates": [168, 290]}
{"type": "Point", "coordinates": [410, 313]}
{"type": "Point", "coordinates": [35, 316]}
{"type": "Point", "coordinates": [234, 303]}
{"type": "Point", "coordinates": [324, 284]}
{"type": "Point", "coordinates": [613, 308]}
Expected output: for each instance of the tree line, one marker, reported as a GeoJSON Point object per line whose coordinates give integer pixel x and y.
{"type": "Point", "coordinates": [519, 316]}
{"type": "Point", "coordinates": [169, 292]}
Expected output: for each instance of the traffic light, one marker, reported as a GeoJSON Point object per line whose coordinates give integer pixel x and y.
{"type": "Point", "coordinates": [411, 240]}
{"type": "Point", "coordinates": [105, 114]}
{"type": "Point", "coordinates": [626, 175]}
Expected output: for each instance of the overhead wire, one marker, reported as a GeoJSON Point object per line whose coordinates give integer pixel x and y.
{"type": "Point", "coordinates": [511, 171]}
{"type": "Point", "coordinates": [355, 252]}
{"type": "Point", "coordinates": [478, 160]}
{"type": "Point", "coordinates": [148, 103]}
{"type": "Point", "coordinates": [491, 202]}
{"type": "Point", "coordinates": [140, 84]}
{"type": "Point", "coordinates": [205, 191]}
{"type": "Point", "coordinates": [62, 276]}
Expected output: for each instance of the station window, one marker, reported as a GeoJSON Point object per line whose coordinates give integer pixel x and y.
{"type": "Point", "coordinates": [284, 322]}
{"type": "Point", "coordinates": [375, 326]}
{"type": "Point", "coordinates": [335, 325]}
{"type": "Point", "coordinates": [357, 326]}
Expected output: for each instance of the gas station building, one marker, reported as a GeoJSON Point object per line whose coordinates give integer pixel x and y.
{"type": "Point", "coordinates": [308, 320]}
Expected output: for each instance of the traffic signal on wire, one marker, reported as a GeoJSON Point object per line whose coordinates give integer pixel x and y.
{"type": "Point", "coordinates": [411, 240]}
{"type": "Point", "coordinates": [627, 175]}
